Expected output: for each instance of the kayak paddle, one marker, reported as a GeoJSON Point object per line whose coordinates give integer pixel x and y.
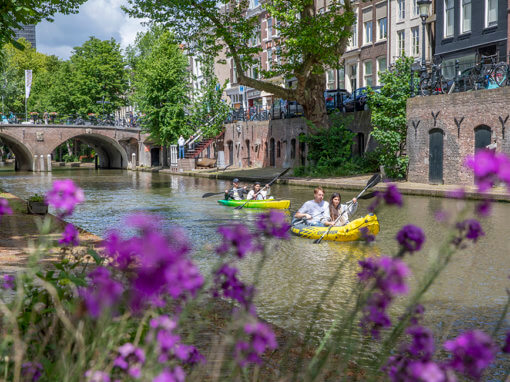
{"type": "Point", "coordinates": [207, 194]}
{"type": "Point", "coordinates": [269, 185]}
{"type": "Point", "coordinates": [376, 178]}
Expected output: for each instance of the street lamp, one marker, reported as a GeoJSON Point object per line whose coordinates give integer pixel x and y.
{"type": "Point", "coordinates": [424, 6]}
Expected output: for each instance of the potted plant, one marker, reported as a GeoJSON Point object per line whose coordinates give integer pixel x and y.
{"type": "Point", "coordinates": [36, 205]}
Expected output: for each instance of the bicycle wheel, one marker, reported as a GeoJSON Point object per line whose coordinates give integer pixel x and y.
{"type": "Point", "coordinates": [425, 87]}
{"type": "Point", "coordinates": [499, 74]}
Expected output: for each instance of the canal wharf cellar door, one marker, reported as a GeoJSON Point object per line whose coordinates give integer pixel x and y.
{"type": "Point", "coordinates": [436, 156]}
{"type": "Point", "coordinates": [482, 137]}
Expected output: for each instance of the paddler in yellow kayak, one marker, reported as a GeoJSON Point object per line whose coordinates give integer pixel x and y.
{"type": "Point", "coordinates": [236, 192]}
{"type": "Point", "coordinates": [258, 193]}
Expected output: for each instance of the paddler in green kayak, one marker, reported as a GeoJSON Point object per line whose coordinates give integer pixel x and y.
{"type": "Point", "coordinates": [258, 193]}
{"type": "Point", "coordinates": [236, 192]}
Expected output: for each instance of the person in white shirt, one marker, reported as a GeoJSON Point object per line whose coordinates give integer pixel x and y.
{"type": "Point", "coordinates": [181, 142]}
{"type": "Point", "coordinates": [336, 209]}
{"type": "Point", "coordinates": [259, 193]}
{"type": "Point", "coordinates": [314, 212]}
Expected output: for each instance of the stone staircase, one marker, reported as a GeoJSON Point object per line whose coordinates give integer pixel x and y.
{"type": "Point", "coordinates": [199, 147]}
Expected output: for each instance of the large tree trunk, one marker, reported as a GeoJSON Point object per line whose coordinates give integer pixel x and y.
{"type": "Point", "coordinates": [311, 96]}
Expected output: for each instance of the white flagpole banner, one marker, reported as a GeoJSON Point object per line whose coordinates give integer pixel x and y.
{"type": "Point", "coordinates": [28, 82]}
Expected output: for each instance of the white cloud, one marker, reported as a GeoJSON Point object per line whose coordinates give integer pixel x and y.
{"type": "Point", "coordinates": [103, 19]}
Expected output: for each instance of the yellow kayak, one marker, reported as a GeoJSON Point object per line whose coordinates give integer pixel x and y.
{"type": "Point", "coordinates": [348, 232]}
{"type": "Point", "coordinates": [268, 203]}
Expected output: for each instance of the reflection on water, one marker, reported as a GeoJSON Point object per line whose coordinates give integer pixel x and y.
{"type": "Point", "coordinates": [470, 293]}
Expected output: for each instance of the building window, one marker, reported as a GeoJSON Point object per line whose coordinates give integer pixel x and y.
{"type": "Point", "coordinates": [465, 17]}
{"type": "Point", "coordinates": [293, 148]}
{"type": "Point", "coordinates": [354, 76]}
{"type": "Point", "coordinates": [269, 58]}
{"type": "Point", "coordinates": [368, 32]}
{"type": "Point", "coordinates": [415, 46]}
{"type": "Point", "coordinates": [401, 9]}
{"type": "Point", "coordinates": [255, 72]}
{"type": "Point", "coordinates": [401, 43]}
{"type": "Point", "coordinates": [330, 79]}
{"type": "Point", "coordinates": [254, 4]}
{"type": "Point", "coordinates": [278, 149]}
{"type": "Point", "coordinates": [416, 9]}
{"type": "Point", "coordinates": [491, 13]}
{"type": "Point", "coordinates": [367, 75]}
{"type": "Point", "coordinates": [341, 78]}
{"type": "Point", "coordinates": [381, 67]}
{"type": "Point", "coordinates": [449, 17]}
{"type": "Point", "coordinates": [353, 42]}
{"type": "Point", "coordinates": [269, 28]}
{"type": "Point", "coordinates": [382, 27]}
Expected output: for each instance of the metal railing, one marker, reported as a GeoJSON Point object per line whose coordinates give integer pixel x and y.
{"type": "Point", "coordinates": [80, 120]}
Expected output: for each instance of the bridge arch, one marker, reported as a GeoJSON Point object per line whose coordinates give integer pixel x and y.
{"type": "Point", "coordinates": [24, 157]}
{"type": "Point", "coordinates": [110, 152]}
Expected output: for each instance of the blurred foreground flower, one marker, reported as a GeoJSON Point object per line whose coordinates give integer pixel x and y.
{"type": "Point", "coordinates": [130, 359]}
{"type": "Point", "coordinates": [64, 196]}
{"type": "Point", "coordinates": [70, 236]}
{"type": "Point", "coordinates": [97, 376]}
{"type": "Point", "coordinates": [411, 238]}
{"type": "Point", "coordinates": [8, 282]}
{"type": "Point", "coordinates": [391, 196]}
{"type": "Point", "coordinates": [31, 371]}
{"type": "Point", "coordinates": [102, 292]}
{"type": "Point", "coordinates": [228, 285]}
{"type": "Point", "coordinates": [261, 338]}
{"type": "Point", "coordinates": [4, 207]}
{"type": "Point", "coordinates": [273, 224]}
{"type": "Point", "coordinates": [237, 237]}
{"type": "Point", "coordinates": [489, 168]}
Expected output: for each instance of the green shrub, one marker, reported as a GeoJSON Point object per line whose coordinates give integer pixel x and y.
{"type": "Point", "coordinates": [36, 198]}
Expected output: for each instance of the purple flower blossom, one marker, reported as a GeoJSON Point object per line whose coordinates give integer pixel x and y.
{"type": "Point", "coordinates": [375, 317]}
{"type": "Point", "coordinates": [64, 196]}
{"type": "Point", "coordinates": [426, 372]}
{"type": "Point", "coordinates": [8, 282]}
{"type": "Point", "coordinates": [4, 207]}
{"type": "Point", "coordinates": [130, 359]}
{"type": "Point", "coordinates": [70, 236]}
{"type": "Point", "coordinates": [489, 167]}
{"type": "Point", "coordinates": [470, 229]}
{"type": "Point", "coordinates": [472, 352]}
{"type": "Point", "coordinates": [417, 314]}
{"type": "Point", "coordinates": [411, 238]}
{"type": "Point", "coordinates": [31, 371]}
{"type": "Point", "coordinates": [506, 346]}
{"type": "Point", "coordinates": [273, 224]}
{"type": "Point", "coordinates": [261, 338]}
{"type": "Point", "coordinates": [483, 208]}
{"type": "Point", "coordinates": [366, 235]}
{"type": "Point", "coordinates": [97, 376]}
{"type": "Point", "coordinates": [228, 285]}
{"type": "Point", "coordinates": [422, 345]}
{"type": "Point", "coordinates": [175, 375]}
{"type": "Point", "coordinates": [103, 292]}
{"type": "Point", "coordinates": [238, 237]}
{"type": "Point", "coordinates": [392, 195]}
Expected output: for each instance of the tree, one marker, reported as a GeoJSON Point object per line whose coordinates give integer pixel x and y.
{"type": "Point", "coordinates": [16, 13]}
{"type": "Point", "coordinates": [389, 117]}
{"type": "Point", "coordinates": [309, 42]}
{"type": "Point", "coordinates": [99, 80]}
{"type": "Point", "coordinates": [160, 84]}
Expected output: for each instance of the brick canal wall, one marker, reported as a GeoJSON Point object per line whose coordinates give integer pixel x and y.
{"type": "Point", "coordinates": [465, 121]}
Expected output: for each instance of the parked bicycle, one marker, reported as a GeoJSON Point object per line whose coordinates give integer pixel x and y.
{"type": "Point", "coordinates": [433, 83]}
{"type": "Point", "coordinates": [487, 73]}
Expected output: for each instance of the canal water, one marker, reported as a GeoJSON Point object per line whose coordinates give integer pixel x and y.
{"type": "Point", "coordinates": [469, 294]}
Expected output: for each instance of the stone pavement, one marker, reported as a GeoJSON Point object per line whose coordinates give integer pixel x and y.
{"type": "Point", "coordinates": [342, 183]}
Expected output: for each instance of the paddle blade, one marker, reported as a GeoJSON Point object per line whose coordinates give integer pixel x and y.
{"type": "Point", "coordinates": [207, 194]}
{"type": "Point", "coordinates": [370, 195]}
{"type": "Point", "coordinates": [376, 178]}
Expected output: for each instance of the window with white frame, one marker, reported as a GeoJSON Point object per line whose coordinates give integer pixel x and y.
{"type": "Point", "coordinates": [279, 55]}
{"type": "Point", "coordinates": [401, 4]}
{"type": "Point", "coordinates": [276, 31]}
{"type": "Point", "coordinates": [367, 31]}
{"type": "Point", "coordinates": [382, 28]}
{"type": "Point", "coordinates": [415, 41]}
{"type": "Point", "coordinates": [416, 9]}
{"type": "Point", "coordinates": [330, 75]}
{"type": "Point", "coordinates": [491, 13]}
{"type": "Point", "coordinates": [381, 67]}
{"type": "Point", "coordinates": [269, 28]}
{"type": "Point", "coordinates": [465, 16]}
{"type": "Point", "coordinates": [341, 78]}
{"type": "Point", "coordinates": [269, 58]}
{"type": "Point", "coordinates": [255, 72]}
{"type": "Point", "coordinates": [367, 73]}
{"type": "Point", "coordinates": [254, 3]}
{"type": "Point", "coordinates": [354, 76]}
{"type": "Point", "coordinates": [449, 18]}
{"type": "Point", "coordinates": [234, 71]}
{"type": "Point", "coordinates": [401, 43]}
{"type": "Point", "coordinates": [353, 41]}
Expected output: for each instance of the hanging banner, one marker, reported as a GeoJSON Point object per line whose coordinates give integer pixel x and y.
{"type": "Point", "coordinates": [28, 82]}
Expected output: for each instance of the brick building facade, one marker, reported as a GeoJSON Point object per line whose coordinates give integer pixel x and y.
{"type": "Point", "coordinates": [442, 130]}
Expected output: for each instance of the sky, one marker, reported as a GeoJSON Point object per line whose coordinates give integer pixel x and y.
{"type": "Point", "coordinates": [100, 18]}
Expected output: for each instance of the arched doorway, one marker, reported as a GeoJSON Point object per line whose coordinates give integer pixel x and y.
{"type": "Point", "coordinates": [482, 137]}
{"type": "Point", "coordinates": [248, 153]}
{"type": "Point", "coordinates": [271, 152]}
{"type": "Point", "coordinates": [230, 146]}
{"type": "Point", "coordinates": [436, 138]}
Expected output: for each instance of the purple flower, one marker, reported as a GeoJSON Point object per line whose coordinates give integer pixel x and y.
{"type": "Point", "coordinates": [97, 376]}
{"type": "Point", "coordinates": [366, 235]}
{"type": "Point", "coordinates": [64, 196]}
{"type": "Point", "coordinates": [4, 207]}
{"type": "Point", "coordinates": [238, 237]}
{"type": "Point", "coordinates": [375, 317]}
{"type": "Point", "coordinates": [8, 282]}
{"type": "Point", "coordinates": [422, 345]}
{"type": "Point", "coordinates": [472, 352]}
{"type": "Point", "coordinates": [175, 375]}
{"type": "Point", "coordinates": [392, 195]}
{"type": "Point", "coordinates": [273, 224]}
{"type": "Point", "coordinates": [70, 236]}
{"type": "Point", "coordinates": [103, 292]}
{"type": "Point", "coordinates": [31, 371]}
{"type": "Point", "coordinates": [260, 338]}
{"type": "Point", "coordinates": [470, 229]}
{"type": "Point", "coordinates": [130, 359]}
{"type": "Point", "coordinates": [417, 314]}
{"type": "Point", "coordinates": [228, 285]}
{"type": "Point", "coordinates": [483, 208]}
{"type": "Point", "coordinates": [506, 346]}
{"type": "Point", "coordinates": [411, 238]}
{"type": "Point", "coordinates": [389, 274]}
{"type": "Point", "coordinates": [426, 372]}
{"type": "Point", "coordinates": [489, 167]}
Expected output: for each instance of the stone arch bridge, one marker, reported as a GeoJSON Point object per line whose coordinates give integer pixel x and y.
{"type": "Point", "coordinates": [33, 145]}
